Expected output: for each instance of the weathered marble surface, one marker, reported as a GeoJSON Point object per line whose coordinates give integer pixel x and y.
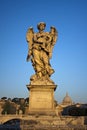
{"type": "Point", "coordinates": [41, 99]}
{"type": "Point", "coordinates": [40, 47]}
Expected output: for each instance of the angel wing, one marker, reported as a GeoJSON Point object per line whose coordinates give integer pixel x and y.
{"type": "Point", "coordinates": [53, 34]}
{"type": "Point", "coordinates": [29, 38]}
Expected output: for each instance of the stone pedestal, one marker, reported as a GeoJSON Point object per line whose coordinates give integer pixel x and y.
{"type": "Point", "coordinates": [41, 99]}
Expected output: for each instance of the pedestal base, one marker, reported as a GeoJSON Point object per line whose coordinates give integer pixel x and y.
{"type": "Point", "coordinates": [41, 99]}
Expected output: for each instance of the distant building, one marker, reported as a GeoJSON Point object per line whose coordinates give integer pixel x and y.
{"type": "Point", "coordinates": [64, 105]}
{"type": "Point", "coordinates": [67, 101]}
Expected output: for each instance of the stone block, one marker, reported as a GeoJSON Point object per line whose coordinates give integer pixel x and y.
{"type": "Point", "coordinates": [41, 99]}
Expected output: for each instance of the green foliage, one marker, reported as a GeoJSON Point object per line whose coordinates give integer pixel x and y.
{"type": "Point", "coordinates": [4, 98]}
{"type": "Point", "coordinates": [22, 107]}
{"type": "Point", "coordinates": [8, 108]}
{"type": "Point", "coordinates": [16, 100]}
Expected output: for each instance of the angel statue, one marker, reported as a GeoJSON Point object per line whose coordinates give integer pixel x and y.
{"type": "Point", "coordinates": [40, 46]}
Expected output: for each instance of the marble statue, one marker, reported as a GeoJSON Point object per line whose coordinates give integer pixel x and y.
{"type": "Point", "coordinates": [40, 47]}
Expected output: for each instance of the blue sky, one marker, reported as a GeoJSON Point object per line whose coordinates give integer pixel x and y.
{"type": "Point", "coordinates": [69, 58]}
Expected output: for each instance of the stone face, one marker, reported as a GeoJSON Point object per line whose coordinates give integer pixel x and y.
{"type": "Point", "coordinates": [41, 99]}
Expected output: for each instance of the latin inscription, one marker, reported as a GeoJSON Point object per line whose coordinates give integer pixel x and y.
{"type": "Point", "coordinates": [41, 100]}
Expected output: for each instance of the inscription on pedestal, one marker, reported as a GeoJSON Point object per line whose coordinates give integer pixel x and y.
{"type": "Point", "coordinates": [41, 100]}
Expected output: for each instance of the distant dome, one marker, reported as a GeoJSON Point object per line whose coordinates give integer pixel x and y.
{"type": "Point", "coordinates": [67, 99]}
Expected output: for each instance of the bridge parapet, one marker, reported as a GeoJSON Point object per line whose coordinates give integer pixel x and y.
{"type": "Point", "coordinates": [5, 118]}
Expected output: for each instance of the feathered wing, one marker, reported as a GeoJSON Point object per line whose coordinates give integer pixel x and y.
{"type": "Point", "coordinates": [55, 35]}
{"type": "Point", "coordinates": [53, 41]}
{"type": "Point", "coordinates": [29, 38]}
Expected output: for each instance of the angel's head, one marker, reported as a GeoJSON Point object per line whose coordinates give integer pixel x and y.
{"type": "Point", "coordinates": [41, 26]}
